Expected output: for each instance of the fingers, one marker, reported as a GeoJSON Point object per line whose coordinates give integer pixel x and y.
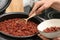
{"type": "Point", "coordinates": [37, 4]}
{"type": "Point", "coordinates": [40, 6]}
{"type": "Point", "coordinates": [41, 36]}
{"type": "Point", "coordinates": [58, 38]}
{"type": "Point", "coordinates": [44, 6]}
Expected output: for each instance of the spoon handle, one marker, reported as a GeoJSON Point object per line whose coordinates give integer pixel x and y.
{"type": "Point", "coordinates": [34, 14]}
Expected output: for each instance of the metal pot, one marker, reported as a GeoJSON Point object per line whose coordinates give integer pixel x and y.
{"type": "Point", "coordinates": [18, 15]}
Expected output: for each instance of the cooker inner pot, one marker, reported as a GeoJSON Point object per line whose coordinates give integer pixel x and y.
{"type": "Point", "coordinates": [3, 3]}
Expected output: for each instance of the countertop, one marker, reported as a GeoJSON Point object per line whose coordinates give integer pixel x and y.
{"type": "Point", "coordinates": [15, 6]}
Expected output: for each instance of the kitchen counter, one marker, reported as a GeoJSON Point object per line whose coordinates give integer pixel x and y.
{"type": "Point", "coordinates": [15, 6]}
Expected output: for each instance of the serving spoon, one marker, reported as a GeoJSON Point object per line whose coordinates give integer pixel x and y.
{"type": "Point", "coordinates": [34, 14]}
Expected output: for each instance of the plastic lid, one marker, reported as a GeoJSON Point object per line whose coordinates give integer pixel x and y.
{"type": "Point", "coordinates": [4, 4]}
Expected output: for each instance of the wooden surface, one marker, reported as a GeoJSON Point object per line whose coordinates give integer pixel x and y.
{"type": "Point", "coordinates": [15, 6]}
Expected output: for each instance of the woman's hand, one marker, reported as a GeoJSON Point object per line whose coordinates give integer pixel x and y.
{"type": "Point", "coordinates": [44, 4]}
{"type": "Point", "coordinates": [57, 38]}
{"type": "Point", "coordinates": [44, 38]}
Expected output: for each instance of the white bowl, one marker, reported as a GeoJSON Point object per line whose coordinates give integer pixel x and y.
{"type": "Point", "coordinates": [48, 24]}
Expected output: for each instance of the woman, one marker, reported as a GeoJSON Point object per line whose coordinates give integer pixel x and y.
{"type": "Point", "coordinates": [45, 4]}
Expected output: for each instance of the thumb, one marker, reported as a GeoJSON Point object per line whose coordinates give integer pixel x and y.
{"type": "Point", "coordinates": [41, 36]}
{"type": "Point", "coordinates": [57, 38]}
